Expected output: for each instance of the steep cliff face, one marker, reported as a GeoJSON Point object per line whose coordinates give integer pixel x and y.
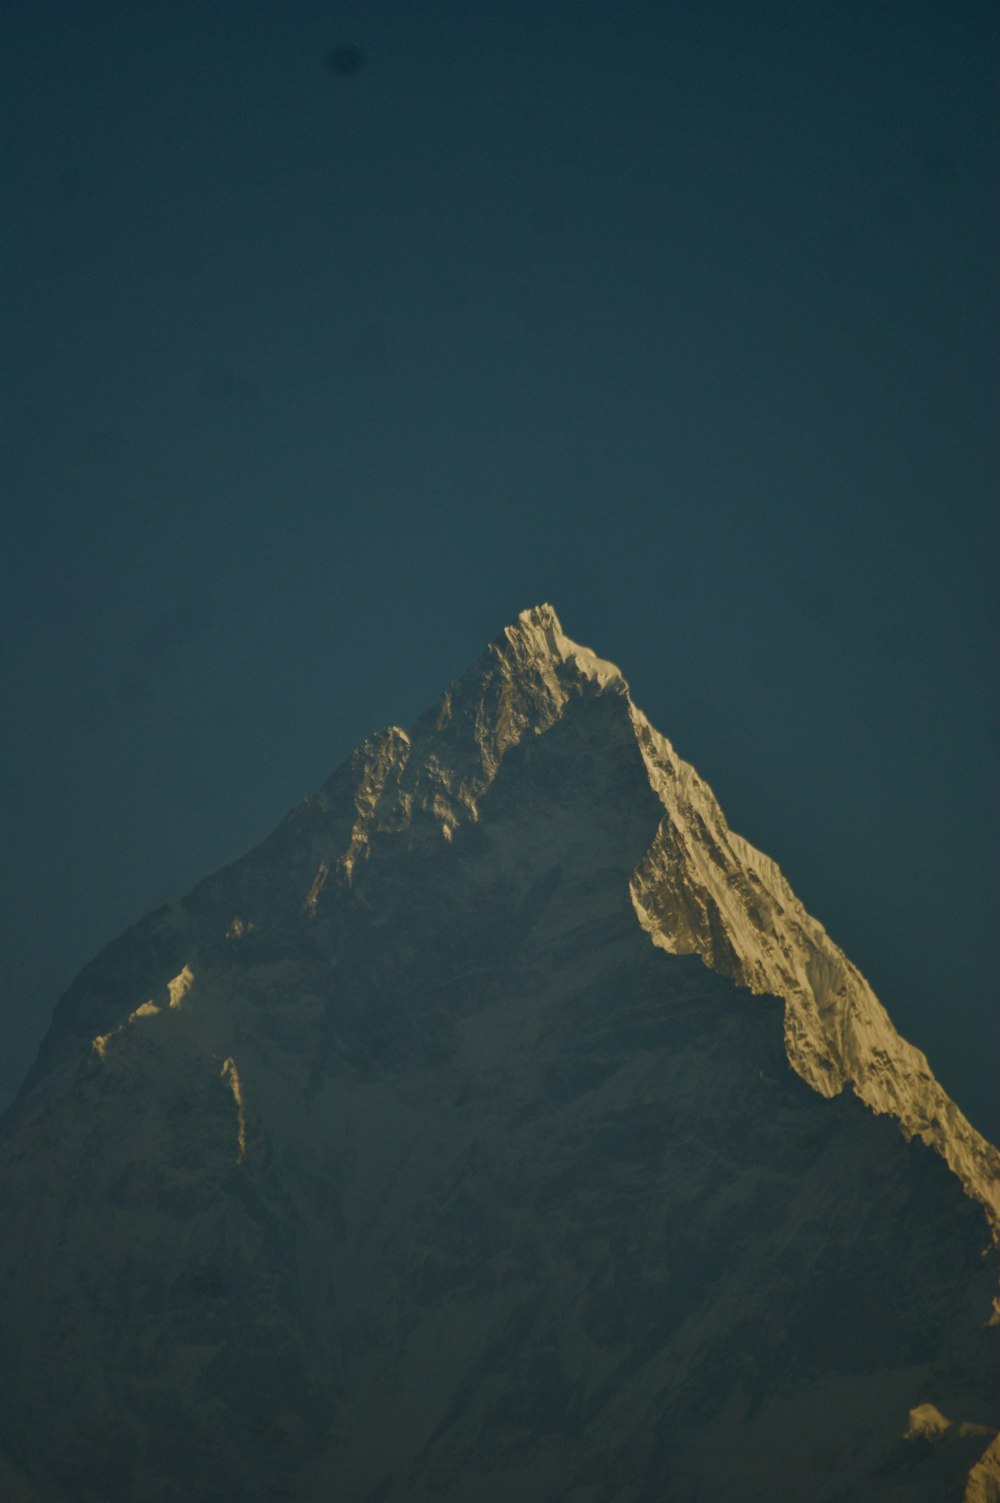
{"type": "Point", "coordinates": [701, 889]}
{"type": "Point", "coordinates": [395, 1162]}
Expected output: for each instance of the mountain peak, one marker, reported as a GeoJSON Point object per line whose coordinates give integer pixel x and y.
{"type": "Point", "coordinates": [436, 1149]}
{"type": "Point", "coordinates": [701, 889]}
{"type": "Point", "coordinates": [537, 635]}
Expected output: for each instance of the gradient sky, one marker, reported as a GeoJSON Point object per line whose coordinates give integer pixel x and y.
{"type": "Point", "coordinates": [336, 334]}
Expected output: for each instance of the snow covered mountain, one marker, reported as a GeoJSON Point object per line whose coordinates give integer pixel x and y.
{"type": "Point", "coordinates": [446, 1146]}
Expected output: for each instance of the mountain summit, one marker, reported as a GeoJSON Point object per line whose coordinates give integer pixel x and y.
{"type": "Point", "coordinates": [500, 1126]}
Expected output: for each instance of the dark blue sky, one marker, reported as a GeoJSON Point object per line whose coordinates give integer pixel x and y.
{"type": "Point", "coordinates": [677, 316]}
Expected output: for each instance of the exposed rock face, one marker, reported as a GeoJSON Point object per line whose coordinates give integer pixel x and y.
{"type": "Point", "coordinates": [436, 1150]}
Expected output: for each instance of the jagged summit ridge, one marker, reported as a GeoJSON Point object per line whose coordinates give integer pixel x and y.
{"type": "Point", "coordinates": [538, 632]}
{"type": "Point", "coordinates": [700, 888]}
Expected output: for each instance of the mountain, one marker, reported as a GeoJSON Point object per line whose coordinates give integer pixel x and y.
{"type": "Point", "coordinates": [500, 1127]}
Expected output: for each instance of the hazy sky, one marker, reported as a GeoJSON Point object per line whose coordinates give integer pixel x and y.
{"type": "Point", "coordinates": [336, 334]}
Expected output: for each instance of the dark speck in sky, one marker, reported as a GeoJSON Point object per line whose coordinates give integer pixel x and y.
{"type": "Point", "coordinates": [346, 60]}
